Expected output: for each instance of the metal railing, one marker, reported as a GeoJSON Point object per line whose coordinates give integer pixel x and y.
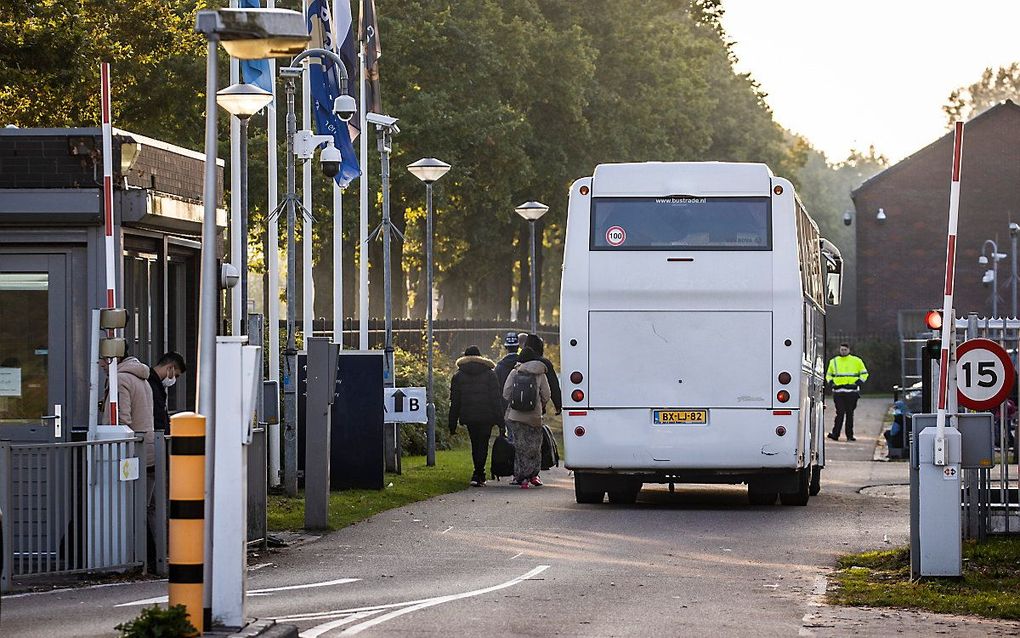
{"type": "Point", "coordinates": [72, 507]}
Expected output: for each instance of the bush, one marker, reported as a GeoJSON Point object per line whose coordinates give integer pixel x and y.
{"type": "Point", "coordinates": [156, 622]}
{"type": "Point", "coordinates": [411, 370]}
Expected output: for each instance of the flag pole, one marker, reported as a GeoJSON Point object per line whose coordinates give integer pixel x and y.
{"type": "Point", "coordinates": [363, 226]}
{"type": "Point", "coordinates": [273, 277]}
{"type": "Point", "coordinates": [236, 311]}
{"type": "Point", "coordinates": [338, 214]}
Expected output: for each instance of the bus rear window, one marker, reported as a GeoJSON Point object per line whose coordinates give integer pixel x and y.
{"type": "Point", "coordinates": [681, 223]}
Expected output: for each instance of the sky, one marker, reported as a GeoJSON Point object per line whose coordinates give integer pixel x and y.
{"type": "Point", "coordinates": [847, 74]}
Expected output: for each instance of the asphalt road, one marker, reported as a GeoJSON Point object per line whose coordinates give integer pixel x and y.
{"type": "Point", "coordinates": [501, 561]}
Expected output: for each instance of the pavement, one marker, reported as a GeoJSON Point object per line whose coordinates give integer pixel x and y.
{"type": "Point", "coordinates": [501, 561]}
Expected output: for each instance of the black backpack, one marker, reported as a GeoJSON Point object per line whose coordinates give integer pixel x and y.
{"type": "Point", "coordinates": [502, 457]}
{"type": "Point", "coordinates": [524, 392]}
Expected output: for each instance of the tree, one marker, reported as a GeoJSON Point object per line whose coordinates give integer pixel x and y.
{"type": "Point", "coordinates": [994, 86]}
{"type": "Point", "coordinates": [51, 52]}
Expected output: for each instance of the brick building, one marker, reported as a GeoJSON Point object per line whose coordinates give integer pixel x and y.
{"type": "Point", "coordinates": [901, 259]}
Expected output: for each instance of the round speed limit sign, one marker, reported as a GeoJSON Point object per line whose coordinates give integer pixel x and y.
{"type": "Point", "coordinates": [984, 374]}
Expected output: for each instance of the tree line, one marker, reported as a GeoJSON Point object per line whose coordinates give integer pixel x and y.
{"type": "Point", "coordinates": [520, 96]}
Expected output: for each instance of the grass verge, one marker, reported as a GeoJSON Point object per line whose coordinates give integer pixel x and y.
{"type": "Point", "coordinates": [417, 483]}
{"type": "Point", "coordinates": [990, 586]}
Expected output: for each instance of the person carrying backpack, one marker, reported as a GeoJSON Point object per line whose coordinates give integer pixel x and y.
{"type": "Point", "coordinates": [527, 391]}
{"type": "Point", "coordinates": [475, 401]}
{"type": "Point", "coordinates": [535, 343]}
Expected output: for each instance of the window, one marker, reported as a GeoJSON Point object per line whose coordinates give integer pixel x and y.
{"type": "Point", "coordinates": [681, 223]}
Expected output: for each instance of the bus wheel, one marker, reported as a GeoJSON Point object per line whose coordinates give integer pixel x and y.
{"type": "Point", "coordinates": [759, 496]}
{"type": "Point", "coordinates": [800, 497]}
{"type": "Point", "coordinates": [585, 492]}
{"type": "Point", "coordinates": [816, 481]}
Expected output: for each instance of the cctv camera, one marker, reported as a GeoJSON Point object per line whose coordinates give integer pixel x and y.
{"type": "Point", "coordinates": [229, 275]}
{"type": "Point", "coordinates": [847, 218]}
{"type": "Point", "coordinates": [1014, 229]}
{"type": "Point", "coordinates": [381, 120]}
{"type": "Point", "coordinates": [330, 158]}
{"type": "Point", "coordinates": [345, 107]}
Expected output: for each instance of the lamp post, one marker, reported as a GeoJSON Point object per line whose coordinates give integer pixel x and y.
{"type": "Point", "coordinates": [247, 34]}
{"type": "Point", "coordinates": [429, 170]}
{"type": "Point", "coordinates": [992, 275]}
{"type": "Point", "coordinates": [242, 101]}
{"type": "Point", "coordinates": [532, 212]}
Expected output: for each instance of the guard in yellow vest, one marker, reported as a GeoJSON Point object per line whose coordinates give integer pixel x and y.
{"type": "Point", "coordinates": [845, 375]}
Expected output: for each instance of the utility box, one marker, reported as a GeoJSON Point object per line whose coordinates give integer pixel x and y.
{"type": "Point", "coordinates": [936, 540]}
{"type": "Point", "coordinates": [356, 441]}
{"type": "Point", "coordinates": [975, 428]}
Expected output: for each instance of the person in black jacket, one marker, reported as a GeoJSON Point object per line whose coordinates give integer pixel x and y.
{"type": "Point", "coordinates": [476, 400]}
{"type": "Point", "coordinates": [162, 376]}
{"type": "Point", "coordinates": [535, 343]}
{"type": "Point", "coordinates": [503, 367]}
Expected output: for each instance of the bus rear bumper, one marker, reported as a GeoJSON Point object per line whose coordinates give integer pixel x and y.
{"type": "Point", "coordinates": [734, 442]}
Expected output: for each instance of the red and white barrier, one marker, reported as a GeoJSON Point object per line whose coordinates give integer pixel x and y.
{"type": "Point", "coordinates": [110, 247]}
{"type": "Point", "coordinates": [948, 321]}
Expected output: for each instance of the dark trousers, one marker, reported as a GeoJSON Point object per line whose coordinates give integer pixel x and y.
{"type": "Point", "coordinates": [845, 402]}
{"type": "Point", "coordinates": [480, 435]}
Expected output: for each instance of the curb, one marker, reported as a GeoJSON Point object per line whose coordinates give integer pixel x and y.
{"type": "Point", "coordinates": [260, 629]}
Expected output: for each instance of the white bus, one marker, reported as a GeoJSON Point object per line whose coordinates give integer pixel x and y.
{"type": "Point", "coordinates": [692, 331]}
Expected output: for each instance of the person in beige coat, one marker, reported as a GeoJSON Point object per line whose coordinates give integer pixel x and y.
{"type": "Point", "coordinates": [526, 426]}
{"type": "Point", "coordinates": [134, 402]}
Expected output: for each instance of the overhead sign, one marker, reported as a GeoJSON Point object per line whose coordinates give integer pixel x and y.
{"type": "Point", "coordinates": [404, 405]}
{"type": "Point", "coordinates": [984, 374]}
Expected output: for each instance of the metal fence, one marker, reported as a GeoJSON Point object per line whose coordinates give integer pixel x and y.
{"type": "Point", "coordinates": [72, 507]}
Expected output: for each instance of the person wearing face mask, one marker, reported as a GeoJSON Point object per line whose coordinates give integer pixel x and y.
{"type": "Point", "coordinates": [163, 376]}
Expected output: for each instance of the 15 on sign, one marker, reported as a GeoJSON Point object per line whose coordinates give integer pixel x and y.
{"type": "Point", "coordinates": [984, 374]}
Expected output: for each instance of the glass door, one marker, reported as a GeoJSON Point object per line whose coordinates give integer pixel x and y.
{"type": "Point", "coordinates": [33, 320]}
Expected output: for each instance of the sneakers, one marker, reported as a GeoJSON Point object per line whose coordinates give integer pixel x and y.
{"type": "Point", "coordinates": [477, 481]}
{"type": "Point", "coordinates": [851, 438]}
{"type": "Point", "coordinates": [537, 482]}
{"type": "Point", "coordinates": [525, 485]}
{"type": "Point", "coordinates": [832, 436]}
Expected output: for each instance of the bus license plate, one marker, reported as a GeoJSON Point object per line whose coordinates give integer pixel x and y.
{"type": "Point", "coordinates": [679, 417]}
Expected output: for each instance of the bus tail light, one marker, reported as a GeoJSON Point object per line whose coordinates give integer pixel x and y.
{"type": "Point", "coordinates": [576, 377]}
{"type": "Point", "coordinates": [579, 430]}
{"type": "Point", "coordinates": [781, 430]}
{"type": "Point", "coordinates": [577, 396]}
{"type": "Point", "coordinates": [783, 396]}
{"type": "Point", "coordinates": [785, 378]}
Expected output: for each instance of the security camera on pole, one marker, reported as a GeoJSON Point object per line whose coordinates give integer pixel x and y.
{"type": "Point", "coordinates": [302, 144]}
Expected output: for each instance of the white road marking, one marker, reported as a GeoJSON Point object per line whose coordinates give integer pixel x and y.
{"type": "Point", "coordinates": [254, 592]}
{"type": "Point", "coordinates": [440, 600]}
{"type": "Point", "coordinates": [315, 632]}
{"type": "Point", "coordinates": [446, 530]}
{"type": "Point", "coordinates": [258, 567]}
{"type": "Point", "coordinates": [516, 555]}
{"type": "Point", "coordinates": [74, 589]}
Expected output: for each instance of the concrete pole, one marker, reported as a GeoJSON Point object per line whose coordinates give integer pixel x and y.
{"type": "Point", "coordinates": [363, 214]}
{"type": "Point", "coordinates": [242, 229]}
{"type": "Point", "coordinates": [273, 271]}
{"type": "Point", "coordinates": [208, 290]}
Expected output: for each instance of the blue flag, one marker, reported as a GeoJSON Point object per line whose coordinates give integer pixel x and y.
{"type": "Point", "coordinates": [325, 81]}
{"type": "Point", "coordinates": [255, 71]}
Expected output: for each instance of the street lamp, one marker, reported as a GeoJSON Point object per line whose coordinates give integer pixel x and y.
{"type": "Point", "coordinates": [248, 34]}
{"type": "Point", "coordinates": [991, 275]}
{"type": "Point", "coordinates": [532, 212]}
{"type": "Point", "coordinates": [429, 170]}
{"type": "Point", "coordinates": [242, 101]}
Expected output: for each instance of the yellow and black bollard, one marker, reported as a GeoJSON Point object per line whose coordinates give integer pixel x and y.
{"type": "Point", "coordinates": [187, 513]}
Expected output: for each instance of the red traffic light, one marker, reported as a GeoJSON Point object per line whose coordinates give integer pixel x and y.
{"type": "Point", "coordinates": [933, 320]}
